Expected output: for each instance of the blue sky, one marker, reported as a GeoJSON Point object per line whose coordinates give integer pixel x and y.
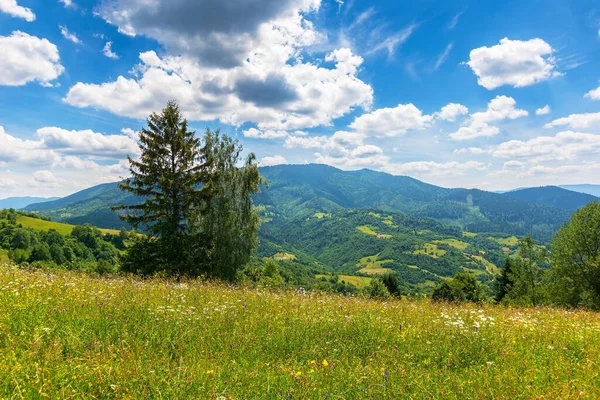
{"type": "Point", "coordinates": [494, 95]}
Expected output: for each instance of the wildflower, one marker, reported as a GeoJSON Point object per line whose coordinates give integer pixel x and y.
{"type": "Point", "coordinates": [298, 373]}
{"type": "Point", "coordinates": [325, 363]}
{"type": "Point", "coordinates": [210, 371]}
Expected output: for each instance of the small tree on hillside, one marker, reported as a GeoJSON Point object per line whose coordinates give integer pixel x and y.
{"type": "Point", "coordinates": [504, 282]}
{"type": "Point", "coordinates": [575, 260]}
{"type": "Point", "coordinates": [527, 273]}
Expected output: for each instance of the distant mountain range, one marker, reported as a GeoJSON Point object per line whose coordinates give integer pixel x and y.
{"type": "Point", "coordinates": [594, 190]}
{"type": "Point", "coordinates": [303, 190]}
{"type": "Point", "coordinates": [21, 202]}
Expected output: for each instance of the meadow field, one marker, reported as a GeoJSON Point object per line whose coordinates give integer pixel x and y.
{"type": "Point", "coordinates": [70, 335]}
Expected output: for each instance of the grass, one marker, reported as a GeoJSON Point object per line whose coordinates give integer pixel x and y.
{"type": "Point", "coordinates": [457, 244]}
{"type": "Point", "coordinates": [42, 225]}
{"type": "Point", "coordinates": [358, 281]}
{"type": "Point", "coordinates": [469, 234]}
{"type": "Point", "coordinates": [508, 242]}
{"type": "Point", "coordinates": [321, 215]}
{"type": "Point", "coordinates": [366, 229]}
{"type": "Point", "coordinates": [284, 256]}
{"type": "Point", "coordinates": [65, 335]}
{"type": "Point", "coordinates": [431, 250]}
{"type": "Point", "coordinates": [370, 265]}
{"type": "Point", "coordinates": [4, 256]}
{"type": "Point", "coordinates": [491, 268]}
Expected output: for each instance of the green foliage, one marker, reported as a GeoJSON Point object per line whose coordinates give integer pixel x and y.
{"type": "Point", "coordinates": [504, 283]}
{"type": "Point", "coordinates": [391, 283]}
{"type": "Point", "coordinates": [575, 260]}
{"type": "Point", "coordinates": [228, 220]}
{"type": "Point", "coordinates": [377, 289]}
{"type": "Point", "coordinates": [463, 287]}
{"type": "Point", "coordinates": [527, 273]}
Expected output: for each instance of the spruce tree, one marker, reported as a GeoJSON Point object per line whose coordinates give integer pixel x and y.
{"type": "Point", "coordinates": [172, 177]}
{"type": "Point", "coordinates": [504, 282]}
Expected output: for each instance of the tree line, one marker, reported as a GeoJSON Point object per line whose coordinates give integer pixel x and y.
{"type": "Point", "coordinates": [568, 274]}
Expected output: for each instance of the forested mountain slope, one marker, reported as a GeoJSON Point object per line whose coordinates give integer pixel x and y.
{"type": "Point", "coordinates": [553, 196]}
{"type": "Point", "coordinates": [303, 190]}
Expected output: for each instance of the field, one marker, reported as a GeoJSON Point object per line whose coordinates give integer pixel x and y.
{"type": "Point", "coordinates": [431, 250]}
{"type": "Point", "coordinates": [358, 281]}
{"type": "Point", "coordinates": [371, 265]}
{"type": "Point", "coordinates": [283, 256]}
{"type": "Point", "coordinates": [457, 244]}
{"type": "Point", "coordinates": [64, 335]}
{"type": "Point", "coordinates": [42, 225]}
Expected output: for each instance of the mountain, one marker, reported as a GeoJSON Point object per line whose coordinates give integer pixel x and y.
{"type": "Point", "coordinates": [296, 191]}
{"type": "Point", "coordinates": [21, 202]}
{"type": "Point", "coordinates": [553, 196]}
{"type": "Point", "coordinates": [594, 190]}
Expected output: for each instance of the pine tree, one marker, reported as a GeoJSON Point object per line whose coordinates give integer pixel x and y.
{"type": "Point", "coordinates": [504, 282]}
{"type": "Point", "coordinates": [173, 176]}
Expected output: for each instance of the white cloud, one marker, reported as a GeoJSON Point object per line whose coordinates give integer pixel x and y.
{"type": "Point", "coordinates": [451, 111]}
{"type": "Point", "coordinates": [28, 58]}
{"type": "Point", "coordinates": [107, 51]}
{"type": "Point", "coordinates": [433, 168]}
{"type": "Point", "coordinates": [11, 7]}
{"type": "Point", "coordinates": [87, 142]}
{"type": "Point", "coordinates": [68, 35]}
{"type": "Point", "coordinates": [46, 178]}
{"type": "Point", "coordinates": [593, 94]}
{"type": "Point", "coordinates": [513, 62]}
{"type": "Point", "coordinates": [470, 150]}
{"type": "Point", "coordinates": [268, 134]}
{"type": "Point", "coordinates": [543, 111]}
{"type": "Point", "coordinates": [499, 108]}
{"type": "Point", "coordinates": [576, 121]}
{"type": "Point", "coordinates": [513, 164]}
{"type": "Point", "coordinates": [68, 3]}
{"type": "Point", "coordinates": [275, 160]}
{"type": "Point", "coordinates": [6, 183]}
{"type": "Point", "coordinates": [274, 88]}
{"type": "Point", "coordinates": [441, 59]}
{"type": "Point", "coordinates": [24, 152]}
{"type": "Point", "coordinates": [392, 42]}
{"type": "Point", "coordinates": [566, 145]}
{"type": "Point", "coordinates": [392, 121]}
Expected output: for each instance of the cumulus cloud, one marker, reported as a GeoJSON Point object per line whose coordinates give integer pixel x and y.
{"type": "Point", "coordinates": [107, 51]}
{"type": "Point", "coordinates": [28, 58]}
{"type": "Point", "coordinates": [576, 121]}
{"type": "Point", "coordinates": [433, 168]}
{"type": "Point", "coordinates": [273, 88]}
{"type": "Point", "coordinates": [22, 151]}
{"type": "Point", "coordinates": [451, 111]}
{"type": "Point", "coordinates": [566, 145]}
{"type": "Point", "coordinates": [68, 35]}
{"type": "Point", "coordinates": [216, 32]}
{"type": "Point", "coordinates": [11, 7]}
{"type": "Point", "coordinates": [7, 183]}
{"type": "Point", "coordinates": [543, 111]}
{"type": "Point", "coordinates": [513, 62]}
{"type": "Point", "coordinates": [499, 108]}
{"type": "Point", "coordinates": [275, 160]}
{"type": "Point", "coordinates": [268, 134]}
{"type": "Point", "coordinates": [392, 121]}
{"type": "Point", "coordinates": [593, 94]}
{"type": "Point", "coordinates": [87, 142]}
{"type": "Point", "coordinates": [68, 3]}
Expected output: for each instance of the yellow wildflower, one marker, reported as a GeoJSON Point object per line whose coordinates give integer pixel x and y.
{"type": "Point", "coordinates": [325, 363]}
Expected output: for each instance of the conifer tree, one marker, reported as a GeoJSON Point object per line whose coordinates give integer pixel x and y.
{"type": "Point", "coordinates": [173, 177]}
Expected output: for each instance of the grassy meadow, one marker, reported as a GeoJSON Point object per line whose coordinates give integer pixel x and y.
{"type": "Point", "coordinates": [69, 335]}
{"type": "Point", "coordinates": [43, 225]}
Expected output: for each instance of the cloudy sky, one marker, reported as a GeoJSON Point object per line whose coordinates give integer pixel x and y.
{"type": "Point", "coordinates": [494, 95]}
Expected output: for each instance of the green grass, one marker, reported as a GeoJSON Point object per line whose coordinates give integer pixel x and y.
{"type": "Point", "coordinates": [371, 265]}
{"type": "Point", "coordinates": [42, 225]}
{"type": "Point", "coordinates": [457, 244]}
{"type": "Point", "coordinates": [367, 229]}
{"type": "Point", "coordinates": [321, 215]}
{"type": "Point", "coordinates": [508, 242]}
{"type": "Point", "coordinates": [431, 250]}
{"type": "Point", "coordinates": [65, 335]}
{"type": "Point", "coordinates": [284, 256]}
{"type": "Point", "coordinates": [469, 234]}
{"type": "Point", "coordinates": [4, 256]}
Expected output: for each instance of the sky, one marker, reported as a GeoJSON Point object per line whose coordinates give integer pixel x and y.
{"type": "Point", "coordinates": [493, 95]}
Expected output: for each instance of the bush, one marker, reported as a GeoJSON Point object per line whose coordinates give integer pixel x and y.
{"type": "Point", "coordinates": [463, 287]}
{"type": "Point", "coordinates": [377, 289]}
{"type": "Point", "coordinates": [391, 283]}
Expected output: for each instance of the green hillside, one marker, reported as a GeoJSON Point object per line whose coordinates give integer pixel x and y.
{"type": "Point", "coordinates": [62, 228]}
{"type": "Point", "coordinates": [553, 196]}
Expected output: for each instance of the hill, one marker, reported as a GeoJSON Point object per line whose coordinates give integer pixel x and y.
{"type": "Point", "coordinates": [21, 202]}
{"type": "Point", "coordinates": [89, 337]}
{"type": "Point", "coordinates": [594, 190]}
{"type": "Point", "coordinates": [303, 190]}
{"type": "Point", "coordinates": [553, 196]}
{"type": "Point", "coordinates": [62, 228]}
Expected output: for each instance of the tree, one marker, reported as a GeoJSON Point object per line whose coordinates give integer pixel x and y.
{"type": "Point", "coordinates": [391, 283]}
{"type": "Point", "coordinates": [463, 287]}
{"type": "Point", "coordinates": [504, 282]}
{"type": "Point", "coordinates": [173, 176]}
{"type": "Point", "coordinates": [527, 273]}
{"type": "Point", "coordinates": [575, 260]}
{"type": "Point", "coordinates": [377, 289]}
{"type": "Point", "coordinates": [40, 252]}
{"type": "Point", "coordinates": [228, 221]}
